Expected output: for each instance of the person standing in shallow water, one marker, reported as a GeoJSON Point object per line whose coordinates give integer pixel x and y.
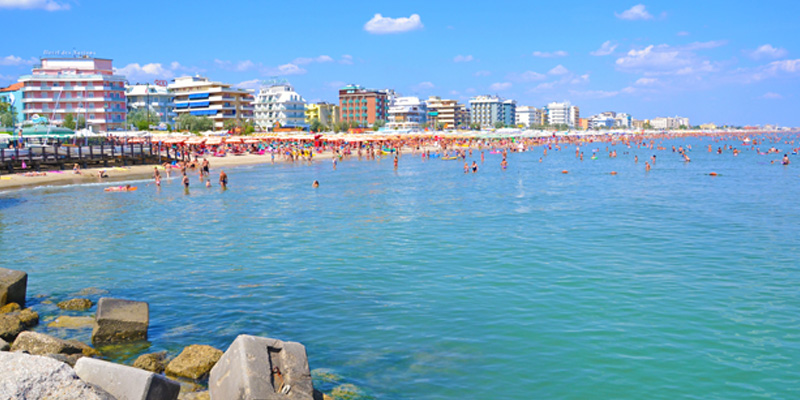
{"type": "Point", "coordinates": [223, 179]}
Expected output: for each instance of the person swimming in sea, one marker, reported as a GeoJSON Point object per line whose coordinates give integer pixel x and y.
{"type": "Point", "coordinates": [785, 159]}
{"type": "Point", "coordinates": [223, 179]}
{"type": "Point", "coordinates": [315, 184]}
{"type": "Point", "coordinates": [474, 167]}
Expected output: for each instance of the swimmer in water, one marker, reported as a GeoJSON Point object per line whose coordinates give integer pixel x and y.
{"type": "Point", "coordinates": [474, 167]}
{"type": "Point", "coordinates": [315, 184]}
{"type": "Point", "coordinates": [646, 166]}
{"type": "Point", "coordinates": [504, 164]}
{"type": "Point", "coordinates": [785, 159]}
{"type": "Point", "coordinates": [223, 179]}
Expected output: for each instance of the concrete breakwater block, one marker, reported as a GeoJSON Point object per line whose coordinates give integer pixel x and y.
{"type": "Point", "coordinates": [13, 285]}
{"type": "Point", "coordinates": [262, 368]}
{"type": "Point", "coordinates": [34, 377]}
{"type": "Point", "coordinates": [119, 321]}
{"type": "Point", "coordinates": [126, 383]}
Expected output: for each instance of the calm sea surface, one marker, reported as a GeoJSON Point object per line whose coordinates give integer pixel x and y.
{"type": "Point", "coordinates": [428, 283]}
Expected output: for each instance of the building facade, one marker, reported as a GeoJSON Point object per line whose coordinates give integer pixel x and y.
{"type": "Point", "coordinates": [279, 106]}
{"type": "Point", "coordinates": [81, 87]}
{"type": "Point", "coordinates": [364, 106]}
{"type": "Point", "coordinates": [449, 114]}
{"type": "Point", "coordinates": [669, 122]}
{"type": "Point", "coordinates": [326, 113]}
{"type": "Point", "coordinates": [198, 96]}
{"type": "Point", "coordinates": [487, 111]}
{"type": "Point", "coordinates": [153, 98]}
{"type": "Point", "coordinates": [529, 116]}
{"type": "Point", "coordinates": [407, 113]}
{"type": "Point", "coordinates": [562, 114]}
{"type": "Point", "coordinates": [12, 95]}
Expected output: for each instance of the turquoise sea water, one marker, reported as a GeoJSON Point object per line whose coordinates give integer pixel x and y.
{"type": "Point", "coordinates": [428, 283]}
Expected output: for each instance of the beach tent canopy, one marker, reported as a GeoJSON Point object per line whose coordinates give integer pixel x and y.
{"type": "Point", "coordinates": [45, 131]}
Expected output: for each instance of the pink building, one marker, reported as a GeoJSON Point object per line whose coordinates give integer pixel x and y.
{"type": "Point", "coordinates": [84, 87]}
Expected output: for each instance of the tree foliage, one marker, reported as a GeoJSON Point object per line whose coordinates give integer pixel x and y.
{"type": "Point", "coordinates": [192, 123]}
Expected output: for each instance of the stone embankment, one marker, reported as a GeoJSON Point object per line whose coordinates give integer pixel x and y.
{"type": "Point", "coordinates": [35, 365]}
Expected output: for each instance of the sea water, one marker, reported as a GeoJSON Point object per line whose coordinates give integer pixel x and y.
{"type": "Point", "coordinates": [428, 283]}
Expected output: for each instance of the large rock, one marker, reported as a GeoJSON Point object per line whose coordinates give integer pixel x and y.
{"type": "Point", "coordinates": [126, 383]}
{"type": "Point", "coordinates": [75, 304]}
{"type": "Point", "coordinates": [204, 395]}
{"type": "Point", "coordinates": [69, 322]}
{"type": "Point", "coordinates": [32, 377]}
{"type": "Point", "coordinates": [260, 368]}
{"type": "Point", "coordinates": [86, 350]}
{"type": "Point", "coordinates": [9, 308]}
{"type": "Point", "coordinates": [28, 317]}
{"type": "Point", "coordinates": [153, 362]}
{"type": "Point", "coordinates": [10, 327]}
{"type": "Point", "coordinates": [13, 285]}
{"type": "Point", "coordinates": [4, 346]}
{"type": "Point", "coordinates": [194, 362]}
{"type": "Point", "coordinates": [120, 321]}
{"type": "Point", "coordinates": [40, 344]}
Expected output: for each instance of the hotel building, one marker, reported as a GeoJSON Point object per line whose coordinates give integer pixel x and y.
{"type": "Point", "coordinates": [84, 87]}
{"type": "Point", "coordinates": [448, 113]}
{"type": "Point", "coordinates": [407, 113]}
{"type": "Point", "coordinates": [364, 106]}
{"type": "Point", "coordinates": [326, 113]}
{"type": "Point", "coordinates": [488, 110]}
{"type": "Point", "coordinates": [527, 116]}
{"type": "Point", "coordinates": [279, 106]}
{"type": "Point", "coordinates": [562, 114]}
{"type": "Point", "coordinates": [12, 95]}
{"type": "Point", "coordinates": [156, 99]}
{"type": "Point", "coordinates": [196, 95]}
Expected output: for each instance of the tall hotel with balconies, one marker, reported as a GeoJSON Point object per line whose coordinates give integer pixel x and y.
{"type": "Point", "coordinates": [363, 106]}
{"type": "Point", "coordinates": [198, 96]}
{"type": "Point", "coordinates": [279, 106]}
{"type": "Point", "coordinates": [81, 86]}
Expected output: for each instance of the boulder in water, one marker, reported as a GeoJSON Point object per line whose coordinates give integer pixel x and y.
{"type": "Point", "coordinates": [153, 362]}
{"type": "Point", "coordinates": [75, 304]}
{"type": "Point", "coordinates": [13, 285]}
{"type": "Point", "coordinates": [40, 344]}
{"type": "Point", "coordinates": [126, 382]}
{"type": "Point", "coordinates": [194, 362]}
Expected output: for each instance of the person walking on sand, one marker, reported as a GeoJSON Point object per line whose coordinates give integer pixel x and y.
{"type": "Point", "coordinates": [223, 179]}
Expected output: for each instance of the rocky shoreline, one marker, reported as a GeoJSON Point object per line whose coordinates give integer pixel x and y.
{"type": "Point", "coordinates": [35, 365]}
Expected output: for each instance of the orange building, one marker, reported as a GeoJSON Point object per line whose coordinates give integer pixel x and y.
{"type": "Point", "coordinates": [363, 106]}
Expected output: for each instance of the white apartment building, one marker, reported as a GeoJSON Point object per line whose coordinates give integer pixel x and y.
{"type": "Point", "coordinates": [196, 95]}
{"type": "Point", "coordinates": [407, 113]}
{"type": "Point", "coordinates": [528, 115]}
{"type": "Point", "coordinates": [156, 99]}
{"type": "Point", "coordinates": [669, 122]}
{"type": "Point", "coordinates": [562, 114]}
{"type": "Point", "coordinates": [279, 106]}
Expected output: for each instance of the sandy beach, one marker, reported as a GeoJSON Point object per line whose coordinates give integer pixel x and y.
{"type": "Point", "coordinates": [90, 175]}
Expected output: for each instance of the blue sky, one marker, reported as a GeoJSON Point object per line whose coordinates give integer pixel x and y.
{"type": "Point", "coordinates": [712, 61]}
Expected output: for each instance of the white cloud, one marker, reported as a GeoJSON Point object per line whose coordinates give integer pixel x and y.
{"type": "Point", "coordinates": [667, 60]}
{"type": "Point", "coordinates": [545, 54]}
{"type": "Point", "coordinates": [605, 49]}
{"type": "Point", "coordinates": [682, 33]}
{"type": "Point", "coordinates": [424, 86]}
{"type": "Point", "coordinates": [459, 58]}
{"type": "Point", "coordinates": [454, 93]}
{"type": "Point", "coordinates": [285, 69]}
{"type": "Point", "coordinates": [47, 5]}
{"type": "Point", "coordinates": [772, 96]}
{"type": "Point", "coordinates": [13, 60]}
{"type": "Point", "coordinates": [767, 51]}
{"type": "Point", "coordinates": [380, 25]}
{"type": "Point", "coordinates": [579, 79]}
{"type": "Point", "coordinates": [637, 12]}
{"type": "Point", "coordinates": [500, 86]}
{"type": "Point", "coordinates": [593, 94]}
{"type": "Point", "coordinates": [346, 59]}
{"type": "Point", "coordinates": [527, 76]}
{"type": "Point", "coordinates": [141, 73]}
{"type": "Point", "coordinates": [482, 73]}
{"type": "Point", "coordinates": [309, 60]}
{"type": "Point", "coordinates": [646, 81]}
{"type": "Point", "coordinates": [558, 70]}
{"type": "Point", "coordinates": [253, 84]}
